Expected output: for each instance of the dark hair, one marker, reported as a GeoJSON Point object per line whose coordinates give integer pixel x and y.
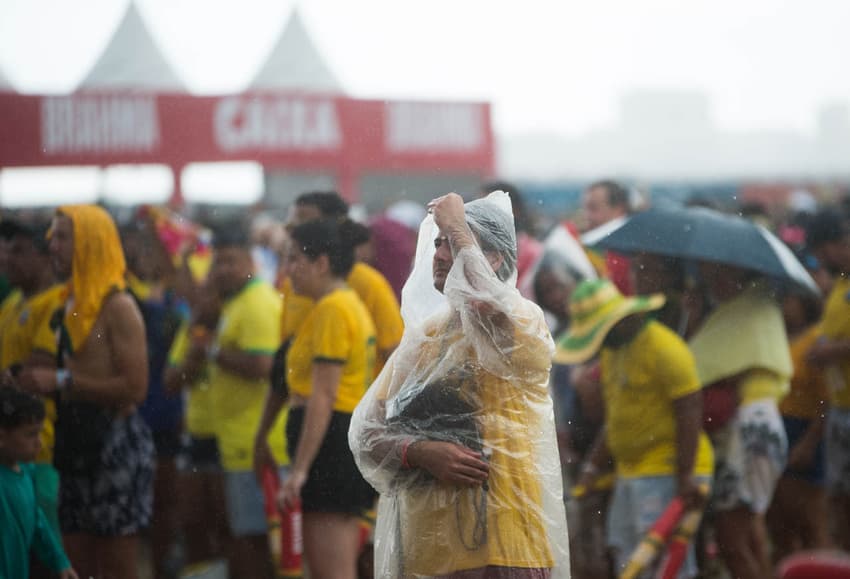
{"type": "Point", "coordinates": [231, 235]}
{"type": "Point", "coordinates": [618, 196]}
{"type": "Point", "coordinates": [329, 203]}
{"type": "Point", "coordinates": [35, 231]}
{"type": "Point", "coordinates": [824, 227]}
{"type": "Point", "coordinates": [18, 408]}
{"type": "Point", "coordinates": [354, 233]}
{"type": "Point", "coordinates": [323, 237]}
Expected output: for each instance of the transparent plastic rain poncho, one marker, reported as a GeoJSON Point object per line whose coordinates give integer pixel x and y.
{"type": "Point", "coordinates": [472, 368]}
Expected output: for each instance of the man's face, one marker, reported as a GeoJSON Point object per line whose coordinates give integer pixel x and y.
{"type": "Point", "coordinates": [624, 331]}
{"type": "Point", "coordinates": [598, 209]}
{"type": "Point", "coordinates": [25, 261]}
{"type": "Point", "coordinates": [443, 260]}
{"type": "Point", "coordinates": [232, 268]}
{"type": "Point", "coordinates": [62, 246]}
{"type": "Point", "coordinates": [22, 443]}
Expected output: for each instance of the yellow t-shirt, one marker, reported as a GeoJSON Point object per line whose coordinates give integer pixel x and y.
{"type": "Point", "coordinates": [640, 381]}
{"type": "Point", "coordinates": [374, 291]}
{"type": "Point", "coordinates": [443, 517]}
{"type": "Point", "coordinates": [9, 313]}
{"type": "Point", "coordinates": [835, 325]}
{"type": "Point", "coordinates": [337, 329]}
{"type": "Point", "coordinates": [250, 322]}
{"type": "Point", "coordinates": [200, 422]}
{"type": "Point", "coordinates": [24, 329]}
{"type": "Point", "coordinates": [808, 392]}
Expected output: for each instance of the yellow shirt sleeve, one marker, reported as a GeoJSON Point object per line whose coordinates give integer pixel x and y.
{"type": "Point", "coordinates": [678, 371]}
{"type": "Point", "coordinates": [387, 316]}
{"type": "Point", "coordinates": [330, 339]}
{"type": "Point", "coordinates": [378, 297]}
{"type": "Point", "coordinates": [257, 329]}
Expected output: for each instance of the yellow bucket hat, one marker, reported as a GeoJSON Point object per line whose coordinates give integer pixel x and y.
{"type": "Point", "coordinates": [595, 307]}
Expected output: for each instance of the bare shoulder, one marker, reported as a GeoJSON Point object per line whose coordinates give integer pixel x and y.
{"type": "Point", "coordinates": [121, 309]}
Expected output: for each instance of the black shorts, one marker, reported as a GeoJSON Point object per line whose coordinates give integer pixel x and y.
{"type": "Point", "coordinates": [334, 484]}
{"type": "Point", "coordinates": [115, 499]}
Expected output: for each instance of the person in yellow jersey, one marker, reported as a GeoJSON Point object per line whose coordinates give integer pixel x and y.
{"type": "Point", "coordinates": [27, 339]}
{"type": "Point", "coordinates": [828, 237]}
{"type": "Point", "coordinates": [329, 366]}
{"type": "Point", "coordinates": [653, 411]}
{"type": "Point", "coordinates": [372, 287]}
{"type": "Point", "coordinates": [239, 356]}
{"type": "Point", "coordinates": [200, 485]}
{"type": "Point", "coordinates": [458, 433]}
{"type": "Point", "coordinates": [742, 348]}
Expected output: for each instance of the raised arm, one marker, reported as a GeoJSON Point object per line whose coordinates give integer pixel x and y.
{"type": "Point", "coordinates": [507, 331]}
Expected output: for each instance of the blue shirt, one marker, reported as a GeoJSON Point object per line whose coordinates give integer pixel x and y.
{"type": "Point", "coordinates": [160, 410]}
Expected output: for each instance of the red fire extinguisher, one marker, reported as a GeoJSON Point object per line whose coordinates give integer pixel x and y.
{"type": "Point", "coordinates": [285, 538]}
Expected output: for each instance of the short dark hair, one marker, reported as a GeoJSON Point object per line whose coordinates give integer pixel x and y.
{"type": "Point", "coordinates": [233, 234]}
{"type": "Point", "coordinates": [354, 233]}
{"type": "Point", "coordinates": [329, 203]}
{"type": "Point", "coordinates": [323, 237]}
{"type": "Point", "coordinates": [618, 196]}
{"type": "Point", "coordinates": [18, 408]}
{"type": "Point", "coordinates": [825, 226]}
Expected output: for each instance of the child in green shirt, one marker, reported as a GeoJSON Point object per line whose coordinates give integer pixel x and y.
{"type": "Point", "coordinates": [25, 528]}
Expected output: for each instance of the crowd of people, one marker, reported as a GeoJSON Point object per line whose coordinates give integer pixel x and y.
{"type": "Point", "coordinates": [400, 378]}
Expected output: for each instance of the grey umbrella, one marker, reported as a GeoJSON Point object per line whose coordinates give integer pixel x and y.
{"type": "Point", "coordinates": [704, 234]}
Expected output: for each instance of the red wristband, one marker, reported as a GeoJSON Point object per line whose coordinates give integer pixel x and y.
{"type": "Point", "coordinates": [404, 447]}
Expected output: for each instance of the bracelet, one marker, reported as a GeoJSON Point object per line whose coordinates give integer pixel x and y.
{"type": "Point", "coordinates": [404, 448]}
{"type": "Point", "coordinates": [63, 379]}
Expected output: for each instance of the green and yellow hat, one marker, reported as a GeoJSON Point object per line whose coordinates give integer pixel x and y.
{"type": "Point", "coordinates": [595, 307]}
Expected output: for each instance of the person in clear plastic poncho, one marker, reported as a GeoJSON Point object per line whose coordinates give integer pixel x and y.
{"type": "Point", "coordinates": [457, 432]}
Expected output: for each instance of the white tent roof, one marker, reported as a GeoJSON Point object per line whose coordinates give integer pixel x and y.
{"type": "Point", "coordinates": [5, 84]}
{"type": "Point", "coordinates": [132, 60]}
{"type": "Point", "coordinates": [295, 63]}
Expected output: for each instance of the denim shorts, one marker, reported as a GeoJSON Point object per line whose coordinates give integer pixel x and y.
{"type": "Point", "coordinates": [246, 514]}
{"type": "Point", "coordinates": [636, 505]}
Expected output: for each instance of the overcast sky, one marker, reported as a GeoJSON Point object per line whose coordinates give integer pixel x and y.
{"type": "Point", "coordinates": [559, 65]}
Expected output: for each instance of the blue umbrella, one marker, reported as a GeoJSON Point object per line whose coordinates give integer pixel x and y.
{"type": "Point", "coordinates": [704, 234]}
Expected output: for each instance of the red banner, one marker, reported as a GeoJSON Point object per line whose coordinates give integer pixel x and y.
{"type": "Point", "coordinates": [295, 131]}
